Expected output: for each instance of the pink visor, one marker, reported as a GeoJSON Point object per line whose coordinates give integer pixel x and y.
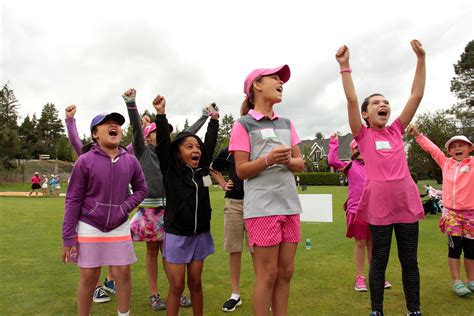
{"type": "Point", "coordinates": [353, 144]}
{"type": "Point", "coordinates": [148, 129]}
{"type": "Point", "coordinates": [283, 72]}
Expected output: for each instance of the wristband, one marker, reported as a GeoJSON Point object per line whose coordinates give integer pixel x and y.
{"type": "Point", "coordinates": [343, 70]}
{"type": "Point", "coordinates": [266, 159]}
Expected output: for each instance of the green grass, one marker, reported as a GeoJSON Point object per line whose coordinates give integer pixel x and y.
{"type": "Point", "coordinates": [34, 281]}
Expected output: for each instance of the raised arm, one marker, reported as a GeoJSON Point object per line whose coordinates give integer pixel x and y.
{"type": "Point", "coordinates": [418, 86]}
{"type": "Point", "coordinates": [427, 145]}
{"type": "Point", "coordinates": [355, 121]}
{"type": "Point", "coordinates": [71, 128]}
{"type": "Point", "coordinates": [163, 140]}
{"type": "Point", "coordinates": [210, 140]}
{"type": "Point", "coordinates": [138, 140]}
{"type": "Point", "coordinates": [196, 126]}
{"type": "Point", "coordinates": [333, 156]}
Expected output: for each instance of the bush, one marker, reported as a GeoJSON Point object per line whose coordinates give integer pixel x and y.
{"type": "Point", "coordinates": [318, 178]}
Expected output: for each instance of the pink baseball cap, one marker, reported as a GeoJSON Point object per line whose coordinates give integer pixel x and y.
{"type": "Point", "coordinates": [353, 144]}
{"type": "Point", "coordinates": [283, 72]}
{"type": "Point", "coordinates": [148, 129]}
{"type": "Point", "coordinates": [455, 138]}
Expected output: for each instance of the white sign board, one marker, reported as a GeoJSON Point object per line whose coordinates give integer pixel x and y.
{"type": "Point", "coordinates": [316, 207]}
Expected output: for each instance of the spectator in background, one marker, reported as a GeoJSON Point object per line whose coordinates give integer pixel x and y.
{"type": "Point", "coordinates": [35, 184]}
{"type": "Point", "coordinates": [44, 185]}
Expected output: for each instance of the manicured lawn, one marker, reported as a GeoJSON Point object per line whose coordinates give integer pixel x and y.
{"type": "Point", "coordinates": [34, 281]}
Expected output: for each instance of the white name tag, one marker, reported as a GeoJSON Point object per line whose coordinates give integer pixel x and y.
{"type": "Point", "coordinates": [206, 180]}
{"type": "Point", "coordinates": [464, 169]}
{"type": "Point", "coordinates": [382, 144]}
{"type": "Point", "coordinates": [268, 133]}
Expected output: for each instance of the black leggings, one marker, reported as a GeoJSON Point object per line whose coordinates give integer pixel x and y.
{"type": "Point", "coordinates": [407, 242]}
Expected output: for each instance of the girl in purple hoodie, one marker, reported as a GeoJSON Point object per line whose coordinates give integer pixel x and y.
{"type": "Point", "coordinates": [96, 229]}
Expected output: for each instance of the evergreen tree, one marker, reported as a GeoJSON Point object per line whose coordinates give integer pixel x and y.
{"type": "Point", "coordinates": [49, 130]}
{"type": "Point", "coordinates": [438, 127]}
{"type": "Point", "coordinates": [462, 85]}
{"type": "Point", "coordinates": [223, 135]}
{"type": "Point", "coordinates": [9, 138]}
{"type": "Point", "coordinates": [27, 133]}
{"type": "Point", "coordinates": [64, 150]}
{"type": "Point", "coordinates": [127, 135]}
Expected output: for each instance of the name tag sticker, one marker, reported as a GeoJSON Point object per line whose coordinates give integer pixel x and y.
{"type": "Point", "coordinates": [382, 144]}
{"type": "Point", "coordinates": [206, 180]}
{"type": "Point", "coordinates": [268, 133]}
{"type": "Point", "coordinates": [464, 169]}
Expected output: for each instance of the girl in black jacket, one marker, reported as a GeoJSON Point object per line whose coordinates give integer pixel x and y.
{"type": "Point", "coordinates": [188, 241]}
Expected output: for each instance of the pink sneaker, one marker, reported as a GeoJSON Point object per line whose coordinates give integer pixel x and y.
{"type": "Point", "coordinates": [359, 284]}
{"type": "Point", "coordinates": [387, 285]}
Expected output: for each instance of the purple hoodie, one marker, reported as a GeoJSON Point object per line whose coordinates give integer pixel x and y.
{"type": "Point", "coordinates": [355, 175]}
{"type": "Point", "coordinates": [98, 192]}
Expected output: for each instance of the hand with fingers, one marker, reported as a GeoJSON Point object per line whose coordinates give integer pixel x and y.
{"type": "Point", "coordinates": [69, 254]}
{"type": "Point", "coordinates": [70, 111]}
{"type": "Point", "coordinates": [342, 56]}
{"type": "Point", "coordinates": [129, 95]}
{"type": "Point", "coordinates": [413, 130]}
{"type": "Point", "coordinates": [279, 155]}
{"type": "Point", "coordinates": [159, 103]}
{"type": "Point", "coordinates": [228, 185]}
{"type": "Point", "coordinates": [417, 48]}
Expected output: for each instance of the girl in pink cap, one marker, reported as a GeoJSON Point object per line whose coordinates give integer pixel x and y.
{"type": "Point", "coordinates": [390, 199]}
{"type": "Point", "coordinates": [457, 221]}
{"type": "Point", "coordinates": [357, 229]}
{"type": "Point", "coordinates": [266, 152]}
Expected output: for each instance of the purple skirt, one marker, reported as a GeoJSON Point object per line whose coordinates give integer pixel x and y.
{"type": "Point", "coordinates": [185, 249]}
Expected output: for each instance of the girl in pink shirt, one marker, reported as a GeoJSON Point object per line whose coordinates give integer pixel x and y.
{"type": "Point", "coordinates": [266, 153]}
{"type": "Point", "coordinates": [390, 199]}
{"type": "Point", "coordinates": [458, 217]}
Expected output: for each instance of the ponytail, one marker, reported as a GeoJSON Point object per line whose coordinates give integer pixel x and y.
{"type": "Point", "coordinates": [247, 105]}
{"type": "Point", "coordinates": [248, 102]}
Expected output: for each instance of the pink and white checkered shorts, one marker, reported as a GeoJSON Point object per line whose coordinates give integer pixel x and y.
{"type": "Point", "coordinates": [269, 231]}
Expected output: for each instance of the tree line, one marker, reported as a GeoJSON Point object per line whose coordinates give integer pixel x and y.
{"type": "Point", "coordinates": [46, 134]}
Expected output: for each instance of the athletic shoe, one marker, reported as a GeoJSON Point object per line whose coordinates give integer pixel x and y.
{"type": "Point", "coordinates": [156, 303]}
{"type": "Point", "coordinates": [460, 289]}
{"type": "Point", "coordinates": [100, 296]}
{"type": "Point", "coordinates": [184, 301]}
{"type": "Point", "coordinates": [417, 313]}
{"type": "Point", "coordinates": [374, 313]}
{"type": "Point", "coordinates": [470, 285]}
{"type": "Point", "coordinates": [231, 304]}
{"type": "Point", "coordinates": [387, 285]}
{"type": "Point", "coordinates": [109, 286]}
{"type": "Point", "coordinates": [359, 284]}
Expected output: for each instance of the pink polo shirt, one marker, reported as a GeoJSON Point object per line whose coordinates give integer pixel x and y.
{"type": "Point", "coordinates": [390, 195]}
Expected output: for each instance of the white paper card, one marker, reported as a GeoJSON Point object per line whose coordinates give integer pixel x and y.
{"type": "Point", "coordinates": [382, 144]}
{"type": "Point", "coordinates": [268, 133]}
{"type": "Point", "coordinates": [206, 180]}
{"type": "Point", "coordinates": [316, 207]}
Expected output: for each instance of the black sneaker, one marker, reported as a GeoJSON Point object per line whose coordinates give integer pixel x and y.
{"type": "Point", "coordinates": [100, 296]}
{"type": "Point", "coordinates": [231, 304]}
{"type": "Point", "coordinates": [417, 313]}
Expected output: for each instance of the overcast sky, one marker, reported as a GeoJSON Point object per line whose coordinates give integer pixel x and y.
{"type": "Point", "coordinates": [196, 52]}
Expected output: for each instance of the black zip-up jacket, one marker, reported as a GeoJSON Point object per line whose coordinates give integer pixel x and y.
{"type": "Point", "coordinates": [188, 207]}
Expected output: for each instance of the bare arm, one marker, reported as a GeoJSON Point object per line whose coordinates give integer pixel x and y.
{"type": "Point", "coordinates": [418, 86]}
{"type": "Point", "coordinates": [355, 122]}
